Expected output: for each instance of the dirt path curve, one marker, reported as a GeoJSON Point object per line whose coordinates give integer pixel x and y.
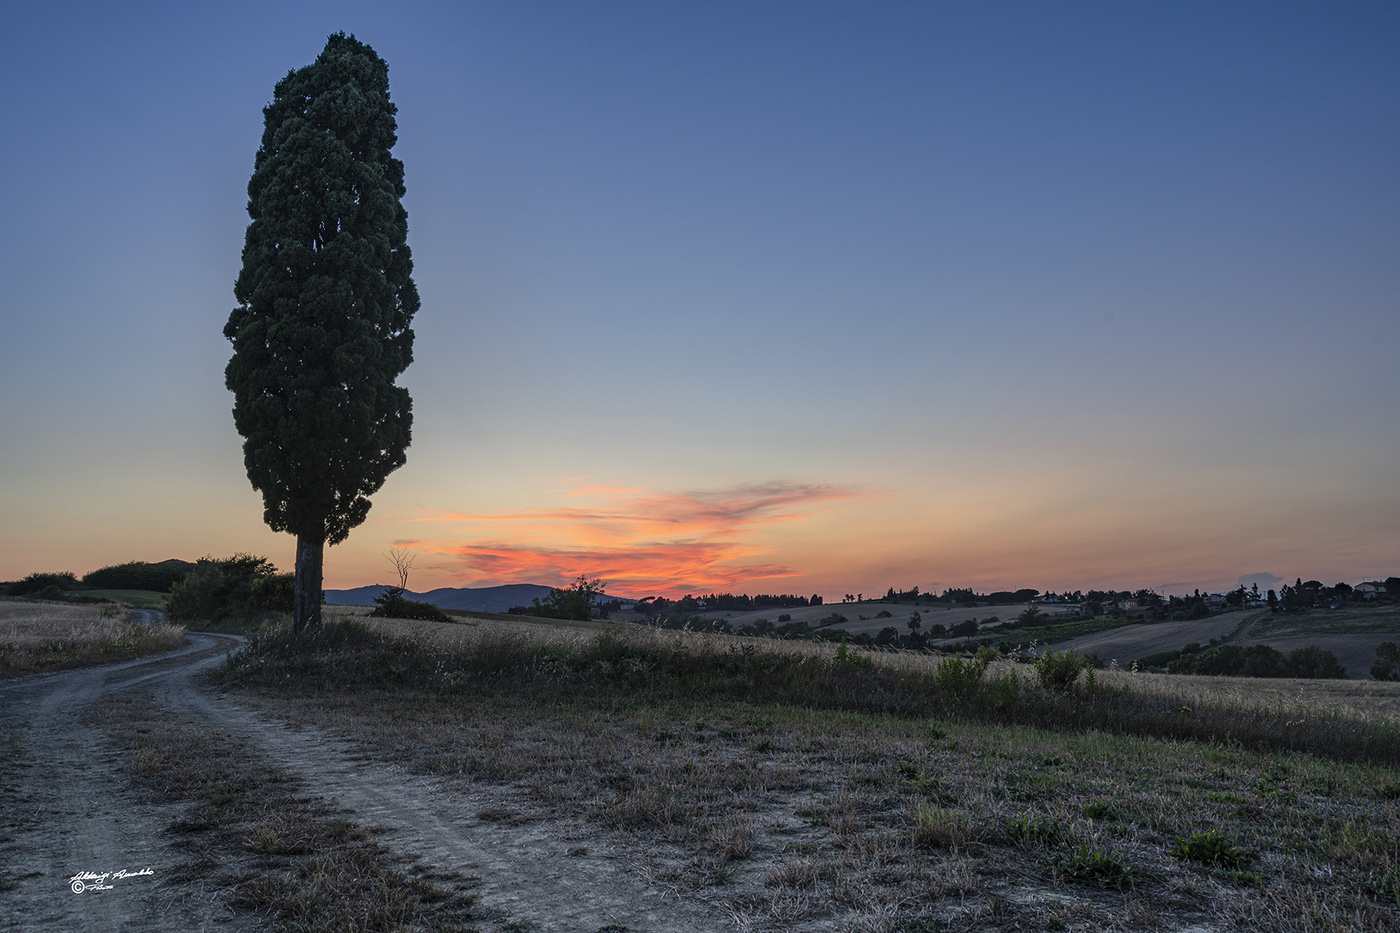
{"type": "Point", "coordinates": [536, 876]}
{"type": "Point", "coordinates": [63, 810]}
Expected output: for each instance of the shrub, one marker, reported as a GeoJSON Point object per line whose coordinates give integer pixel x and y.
{"type": "Point", "coordinates": [835, 618]}
{"type": "Point", "coordinates": [1101, 869]}
{"type": "Point", "coordinates": [139, 575]}
{"type": "Point", "coordinates": [964, 629]}
{"type": "Point", "coordinates": [37, 583]}
{"type": "Point", "coordinates": [960, 677]}
{"type": "Point", "coordinates": [1314, 663]}
{"type": "Point", "coordinates": [1059, 672]}
{"type": "Point", "coordinates": [390, 604]}
{"type": "Point", "coordinates": [1004, 690]}
{"type": "Point", "coordinates": [847, 660]}
{"type": "Point", "coordinates": [274, 593]}
{"type": "Point", "coordinates": [1212, 848]}
{"type": "Point", "coordinates": [218, 590]}
{"type": "Point", "coordinates": [1387, 666]}
{"type": "Point", "coordinates": [1260, 661]}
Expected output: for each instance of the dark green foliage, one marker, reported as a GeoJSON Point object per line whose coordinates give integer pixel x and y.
{"type": "Point", "coordinates": [325, 300]}
{"type": "Point", "coordinates": [1100, 869]}
{"type": "Point", "coordinates": [1100, 810]}
{"type": "Point", "coordinates": [1212, 848]}
{"type": "Point", "coordinates": [1033, 830]}
{"type": "Point", "coordinates": [961, 677]}
{"type": "Point", "coordinates": [1387, 666]}
{"type": "Point", "coordinates": [37, 583]}
{"type": "Point", "coordinates": [1260, 661]}
{"type": "Point", "coordinates": [274, 592]}
{"type": "Point", "coordinates": [218, 590]}
{"type": "Point", "coordinates": [139, 575]}
{"type": "Point", "coordinates": [964, 629]}
{"type": "Point", "coordinates": [1060, 671]}
{"type": "Point", "coordinates": [1314, 663]}
{"type": "Point", "coordinates": [390, 604]}
{"type": "Point", "coordinates": [575, 601]}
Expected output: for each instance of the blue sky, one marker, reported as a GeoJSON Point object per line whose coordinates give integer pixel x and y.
{"type": "Point", "coordinates": [855, 295]}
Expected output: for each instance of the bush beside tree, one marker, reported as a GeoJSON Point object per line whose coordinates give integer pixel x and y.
{"type": "Point", "coordinates": [237, 587]}
{"type": "Point", "coordinates": [390, 604]}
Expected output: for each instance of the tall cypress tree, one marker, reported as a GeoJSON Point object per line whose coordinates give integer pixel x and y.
{"type": "Point", "coordinates": [325, 300]}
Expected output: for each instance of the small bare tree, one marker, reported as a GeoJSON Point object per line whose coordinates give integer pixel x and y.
{"type": "Point", "coordinates": [402, 559]}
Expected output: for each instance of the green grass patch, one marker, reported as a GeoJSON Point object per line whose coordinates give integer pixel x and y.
{"type": "Point", "coordinates": [1212, 847]}
{"type": "Point", "coordinates": [1084, 865]}
{"type": "Point", "coordinates": [136, 599]}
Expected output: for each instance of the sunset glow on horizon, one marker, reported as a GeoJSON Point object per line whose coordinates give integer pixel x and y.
{"type": "Point", "coordinates": [816, 298]}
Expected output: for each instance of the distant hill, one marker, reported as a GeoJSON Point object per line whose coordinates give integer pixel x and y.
{"type": "Point", "coordinates": [480, 599]}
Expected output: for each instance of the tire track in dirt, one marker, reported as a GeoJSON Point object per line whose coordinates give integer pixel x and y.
{"type": "Point", "coordinates": [65, 810]}
{"type": "Point", "coordinates": [536, 876]}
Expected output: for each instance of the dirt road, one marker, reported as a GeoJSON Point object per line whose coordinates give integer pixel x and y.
{"type": "Point", "coordinates": [64, 812]}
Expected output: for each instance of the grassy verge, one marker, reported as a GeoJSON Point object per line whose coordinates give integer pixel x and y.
{"type": "Point", "coordinates": [282, 855]}
{"type": "Point", "coordinates": [136, 599]}
{"type": "Point", "coordinates": [806, 787]}
{"type": "Point", "coordinates": [36, 637]}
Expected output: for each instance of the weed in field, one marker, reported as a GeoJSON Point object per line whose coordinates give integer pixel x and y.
{"type": "Point", "coordinates": [1060, 672]}
{"type": "Point", "coordinates": [1212, 848]}
{"type": "Point", "coordinates": [1383, 884]}
{"type": "Point", "coordinates": [937, 828]}
{"type": "Point", "coordinates": [961, 677]}
{"type": "Point", "coordinates": [1036, 831]}
{"type": "Point", "coordinates": [1084, 865]}
{"type": "Point", "coordinates": [1100, 810]}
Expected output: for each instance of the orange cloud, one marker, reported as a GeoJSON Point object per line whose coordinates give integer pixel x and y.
{"type": "Point", "coordinates": [698, 541]}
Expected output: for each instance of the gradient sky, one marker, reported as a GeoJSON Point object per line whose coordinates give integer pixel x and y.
{"type": "Point", "coordinates": [764, 297]}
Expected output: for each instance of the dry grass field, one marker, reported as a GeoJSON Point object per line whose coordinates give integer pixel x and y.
{"type": "Point", "coordinates": [798, 787]}
{"type": "Point", "coordinates": [41, 636]}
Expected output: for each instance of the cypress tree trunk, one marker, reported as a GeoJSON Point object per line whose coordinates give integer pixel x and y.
{"type": "Point", "coordinates": [306, 599]}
